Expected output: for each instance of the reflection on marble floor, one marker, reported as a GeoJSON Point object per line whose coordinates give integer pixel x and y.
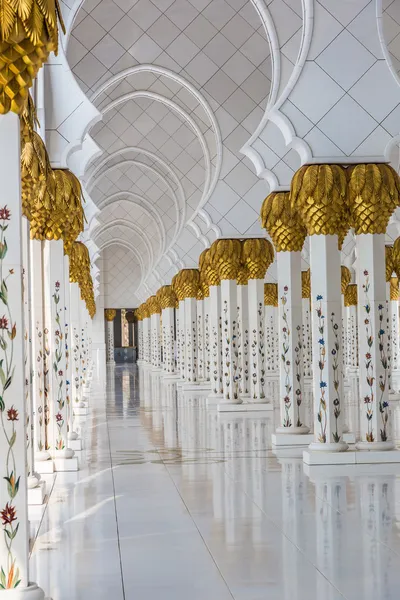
{"type": "Point", "coordinates": [174, 500]}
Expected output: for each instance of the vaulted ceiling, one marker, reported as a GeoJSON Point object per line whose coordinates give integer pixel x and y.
{"type": "Point", "coordinates": [181, 87]}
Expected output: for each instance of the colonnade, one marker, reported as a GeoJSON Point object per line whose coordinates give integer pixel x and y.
{"type": "Point", "coordinates": [46, 307]}
{"type": "Point", "coordinates": [308, 330]}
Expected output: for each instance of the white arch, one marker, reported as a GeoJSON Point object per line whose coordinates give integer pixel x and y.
{"type": "Point", "coordinates": [188, 86]}
{"type": "Point", "coordinates": [155, 172]}
{"type": "Point", "coordinates": [128, 246]}
{"type": "Point", "coordinates": [148, 208]}
{"type": "Point", "coordinates": [176, 108]}
{"type": "Point", "coordinates": [121, 223]}
{"type": "Point", "coordinates": [151, 155]}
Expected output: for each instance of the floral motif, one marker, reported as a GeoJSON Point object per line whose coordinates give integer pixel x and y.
{"type": "Point", "coordinates": [58, 357]}
{"type": "Point", "coordinates": [9, 573]}
{"type": "Point", "coordinates": [336, 374]}
{"type": "Point", "coordinates": [286, 334]}
{"type": "Point", "coordinates": [322, 414]}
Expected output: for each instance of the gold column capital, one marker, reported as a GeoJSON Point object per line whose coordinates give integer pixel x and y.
{"type": "Point", "coordinates": [243, 275]}
{"type": "Point", "coordinates": [225, 256]}
{"type": "Point", "coordinates": [167, 297]}
{"type": "Point", "coordinates": [29, 32]}
{"type": "Point", "coordinates": [277, 217]}
{"type": "Point", "coordinates": [373, 195]}
{"type": "Point", "coordinates": [110, 314]}
{"type": "Point", "coordinates": [306, 284]}
{"type": "Point", "coordinates": [187, 283]}
{"type": "Point", "coordinates": [351, 295]}
{"type": "Point", "coordinates": [394, 288]}
{"type": "Point", "coordinates": [270, 294]}
{"type": "Point", "coordinates": [208, 270]}
{"type": "Point", "coordinates": [345, 278]}
{"type": "Point", "coordinates": [154, 306]}
{"type": "Point", "coordinates": [318, 195]}
{"type": "Point", "coordinates": [257, 255]}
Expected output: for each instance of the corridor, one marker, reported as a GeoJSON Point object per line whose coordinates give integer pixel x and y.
{"type": "Point", "coordinates": [175, 501]}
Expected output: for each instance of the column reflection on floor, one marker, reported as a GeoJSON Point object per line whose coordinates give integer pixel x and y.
{"type": "Point", "coordinates": [175, 499]}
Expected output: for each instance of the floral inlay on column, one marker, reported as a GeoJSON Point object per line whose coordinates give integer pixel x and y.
{"type": "Point", "coordinates": [373, 195]}
{"type": "Point", "coordinates": [288, 235]}
{"type": "Point", "coordinates": [211, 283]}
{"type": "Point", "coordinates": [58, 372]}
{"type": "Point", "coordinates": [257, 255]}
{"type": "Point", "coordinates": [226, 256]}
{"type": "Point", "coordinates": [272, 354]}
{"type": "Point", "coordinates": [318, 198]}
{"type": "Point", "coordinates": [9, 415]}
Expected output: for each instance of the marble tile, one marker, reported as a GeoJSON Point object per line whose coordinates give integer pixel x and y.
{"type": "Point", "coordinates": [174, 500]}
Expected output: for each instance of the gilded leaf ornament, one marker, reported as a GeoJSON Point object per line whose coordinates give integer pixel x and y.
{"type": "Point", "coordinates": [277, 217]}
{"type": "Point", "coordinates": [28, 33]}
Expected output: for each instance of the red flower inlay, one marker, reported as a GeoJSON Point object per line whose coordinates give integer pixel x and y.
{"type": "Point", "coordinates": [5, 214]}
{"type": "Point", "coordinates": [3, 322]}
{"type": "Point", "coordinates": [12, 414]}
{"type": "Point", "coordinates": [8, 515]}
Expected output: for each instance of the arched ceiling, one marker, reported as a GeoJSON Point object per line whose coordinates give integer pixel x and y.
{"type": "Point", "coordinates": [181, 86]}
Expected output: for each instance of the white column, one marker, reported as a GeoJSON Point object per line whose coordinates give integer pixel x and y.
{"type": "Point", "coordinates": [394, 334]}
{"type": "Point", "coordinates": [140, 342]}
{"type": "Point", "coordinates": [243, 341]}
{"type": "Point", "coordinates": [84, 319]}
{"type": "Point", "coordinates": [109, 342]}
{"type": "Point", "coordinates": [201, 352]}
{"type": "Point", "coordinates": [291, 387]}
{"type": "Point", "coordinates": [215, 341]}
{"type": "Point", "coordinates": [181, 343]}
{"type": "Point", "coordinates": [307, 342]}
{"type": "Point", "coordinates": [168, 327]}
{"type": "Point", "coordinates": [54, 303]}
{"type": "Point", "coordinates": [191, 375]}
{"type": "Point", "coordinates": [75, 345]}
{"type": "Point", "coordinates": [326, 339]}
{"type": "Point", "coordinates": [256, 341]}
{"type": "Point", "coordinates": [69, 351]}
{"type": "Point", "coordinates": [372, 339]}
{"type": "Point", "coordinates": [146, 341]}
{"type": "Point", "coordinates": [14, 543]}
{"type": "Point", "coordinates": [155, 341]}
{"type": "Point", "coordinates": [33, 478]}
{"type": "Point", "coordinates": [271, 341]}
{"type": "Point", "coordinates": [230, 374]}
{"type": "Point", "coordinates": [207, 345]}
{"type": "Point", "coordinates": [38, 352]}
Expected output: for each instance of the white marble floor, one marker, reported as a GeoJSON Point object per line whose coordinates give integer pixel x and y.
{"type": "Point", "coordinates": [174, 501]}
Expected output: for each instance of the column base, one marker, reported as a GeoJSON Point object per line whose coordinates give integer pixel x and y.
{"type": "Point", "coordinates": [75, 445]}
{"type": "Point", "coordinates": [279, 439]}
{"type": "Point", "coordinates": [37, 495]}
{"type": "Point", "coordinates": [196, 387]}
{"type": "Point", "coordinates": [81, 411]}
{"type": "Point", "coordinates": [213, 399]}
{"type": "Point", "coordinates": [110, 363]}
{"type": "Point", "coordinates": [45, 467]}
{"type": "Point", "coordinates": [32, 592]}
{"type": "Point", "coordinates": [41, 456]}
{"type": "Point", "coordinates": [328, 447]}
{"type": "Point", "coordinates": [375, 446]}
{"type": "Point", "coordinates": [181, 382]}
{"type": "Point", "coordinates": [245, 408]}
{"type": "Point", "coordinates": [357, 457]}
{"type": "Point", "coordinates": [156, 369]}
{"type": "Point", "coordinates": [349, 438]}
{"type": "Point", "coordinates": [66, 464]}
{"type": "Point", "coordinates": [171, 376]}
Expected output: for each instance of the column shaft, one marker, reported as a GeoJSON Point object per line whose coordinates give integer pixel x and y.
{"type": "Point", "coordinates": [230, 377]}
{"type": "Point", "coordinates": [243, 340]}
{"type": "Point", "coordinates": [372, 338]}
{"type": "Point", "coordinates": [257, 340]}
{"type": "Point", "coordinates": [291, 343]}
{"type": "Point", "coordinates": [191, 375]}
{"type": "Point", "coordinates": [215, 340]}
{"type": "Point", "coordinates": [155, 341]}
{"type": "Point", "coordinates": [326, 339]}
{"type": "Point", "coordinates": [169, 340]}
{"type": "Point", "coordinates": [201, 353]}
